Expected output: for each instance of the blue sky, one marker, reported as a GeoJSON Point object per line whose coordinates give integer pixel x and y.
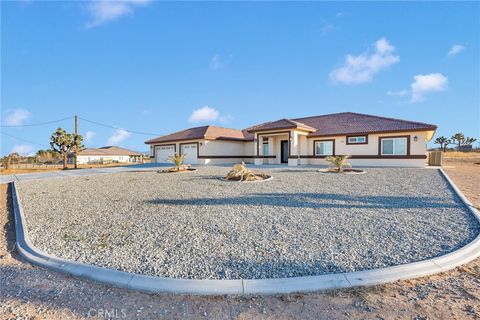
{"type": "Point", "coordinates": [160, 67]}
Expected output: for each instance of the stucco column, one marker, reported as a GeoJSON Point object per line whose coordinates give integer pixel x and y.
{"type": "Point", "coordinates": [294, 149]}
{"type": "Point", "coordinates": [257, 144]}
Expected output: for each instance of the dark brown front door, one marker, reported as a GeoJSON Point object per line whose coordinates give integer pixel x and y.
{"type": "Point", "coordinates": [284, 151]}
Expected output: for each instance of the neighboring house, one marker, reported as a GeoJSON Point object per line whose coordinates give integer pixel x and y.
{"type": "Point", "coordinates": [370, 140]}
{"type": "Point", "coordinates": [106, 155]}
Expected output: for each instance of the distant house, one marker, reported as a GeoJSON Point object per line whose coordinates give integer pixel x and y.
{"type": "Point", "coordinates": [465, 148]}
{"type": "Point", "coordinates": [107, 154]}
{"type": "Point", "coordinates": [370, 140]}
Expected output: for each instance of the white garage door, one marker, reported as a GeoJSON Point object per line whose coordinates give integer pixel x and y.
{"type": "Point", "coordinates": [191, 153]}
{"type": "Point", "coordinates": [163, 152]}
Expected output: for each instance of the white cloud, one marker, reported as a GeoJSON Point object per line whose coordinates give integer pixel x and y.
{"type": "Point", "coordinates": [89, 136]}
{"type": "Point", "coordinates": [204, 114]}
{"type": "Point", "coordinates": [104, 11]}
{"type": "Point", "coordinates": [118, 136]}
{"type": "Point", "coordinates": [362, 68]}
{"type": "Point", "coordinates": [217, 62]}
{"type": "Point", "coordinates": [23, 149]}
{"type": "Point", "coordinates": [399, 93]}
{"type": "Point", "coordinates": [327, 28]}
{"type": "Point", "coordinates": [425, 83]}
{"type": "Point", "coordinates": [455, 49]}
{"type": "Point", "coordinates": [15, 117]}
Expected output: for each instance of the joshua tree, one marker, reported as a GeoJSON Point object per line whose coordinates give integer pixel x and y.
{"type": "Point", "coordinates": [178, 160]}
{"type": "Point", "coordinates": [338, 162]}
{"type": "Point", "coordinates": [443, 142]}
{"type": "Point", "coordinates": [8, 160]}
{"type": "Point", "coordinates": [469, 140]}
{"type": "Point", "coordinates": [63, 143]}
{"type": "Point", "coordinates": [458, 139]}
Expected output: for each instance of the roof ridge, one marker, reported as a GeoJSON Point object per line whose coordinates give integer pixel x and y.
{"type": "Point", "coordinates": [291, 121]}
{"type": "Point", "coordinates": [367, 115]}
{"type": "Point", "coordinates": [389, 118]}
{"type": "Point", "coordinates": [323, 115]}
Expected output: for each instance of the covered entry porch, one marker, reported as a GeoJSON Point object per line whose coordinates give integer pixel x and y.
{"type": "Point", "coordinates": [279, 147]}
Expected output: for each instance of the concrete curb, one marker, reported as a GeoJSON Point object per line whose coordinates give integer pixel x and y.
{"type": "Point", "coordinates": [254, 181]}
{"type": "Point", "coordinates": [253, 286]}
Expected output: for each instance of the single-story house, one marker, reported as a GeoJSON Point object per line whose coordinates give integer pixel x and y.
{"type": "Point", "coordinates": [106, 155]}
{"type": "Point", "coordinates": [370, 140]}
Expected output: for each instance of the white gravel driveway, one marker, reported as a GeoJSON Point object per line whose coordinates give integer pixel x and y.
{"type": "Point", "coordinates": [193, 225]}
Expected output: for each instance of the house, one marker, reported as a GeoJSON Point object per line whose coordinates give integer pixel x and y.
{"type": "Point", "coordinates": [106, 155]}
{"type": "Point", "coordinates": [370, 140]}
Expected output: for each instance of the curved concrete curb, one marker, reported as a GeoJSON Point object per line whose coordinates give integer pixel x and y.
{"type": "Point", "coordinates": [325, 171]}
{"type": "Point", "coordinates": [254, 286]}
{"type": "Point", "coordinates": [183, 171]}
{"type": "Point", "coordinates": [254, 181]}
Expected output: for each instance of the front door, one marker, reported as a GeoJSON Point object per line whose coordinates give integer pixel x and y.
{"type": "Point", "coordinates": [284, 151]}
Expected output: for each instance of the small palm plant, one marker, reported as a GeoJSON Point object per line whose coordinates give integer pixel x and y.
{"type": "Point", "coordinates": [337, 163]}
{"type": "Point", "coordinates": [178, 160]}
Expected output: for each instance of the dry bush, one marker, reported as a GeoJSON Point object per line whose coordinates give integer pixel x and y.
{"type": "Point", "coordinates": [178, 161]}
{"type": "Point", "coordinates": [337, 163]}
{"type": "Point", "coordinates": [240, 172]}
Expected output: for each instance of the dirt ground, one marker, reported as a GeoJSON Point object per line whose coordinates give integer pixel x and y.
{"type": "Point", "coordinates": [28, 292]}
{"type": "Point", "coordinates": [59, 167]}
{"type": "Point", "coordinates": [466, 175]}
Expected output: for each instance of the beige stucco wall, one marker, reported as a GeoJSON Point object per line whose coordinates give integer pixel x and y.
{"type": "Point", "coordinates": [90, 159]}
{"type": "Point", "coordinates": [222, 147]}
{"type": "Point", "coordinates": [273, 146]}
{"type": "Point", "coordinates": [415, 163]}
{"type": "Point", "coordinates": [418, 147]}
{"type": "Point", "coordinates": [225, 148]}
{"type": "Point", "coordinates": [302, 145]}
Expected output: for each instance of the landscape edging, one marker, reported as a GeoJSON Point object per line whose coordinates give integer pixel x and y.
{"type": "Point", "coordinates": [247, 286]}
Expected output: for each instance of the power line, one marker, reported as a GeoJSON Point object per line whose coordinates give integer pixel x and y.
{"type": "Point", "coordinates": [36, 124]}
{"type": "Point", "coordinates": [24, 140]}
{"type": "Point", "coordinates": [49, 146]}
{"type": "Point", "coordinates": [118, 128]}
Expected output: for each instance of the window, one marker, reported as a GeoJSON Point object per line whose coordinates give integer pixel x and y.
{"type": "Point", "coordinates": [265, 149]}
{"type": "Point", "coordinates": [357, 140]}
{"type": "Point", "coordinates": [324, 148]}
{"type": "Point", "coordinates": [394, 146]}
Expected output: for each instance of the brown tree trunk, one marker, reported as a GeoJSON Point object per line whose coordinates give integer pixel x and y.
{"type": "Point", "coordinates": [7, 163]}
{"type": "Point", "coordinates": [64, 161]}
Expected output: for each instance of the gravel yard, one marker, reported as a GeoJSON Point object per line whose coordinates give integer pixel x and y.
{"type": "Point", "coordinates": [196, 226]}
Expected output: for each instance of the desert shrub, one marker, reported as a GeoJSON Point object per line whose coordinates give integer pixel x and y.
{"type": "Point", "coordinates": [178, 161]}
{"type": "Point", "coordinates": [337, 163]}
{"type": "Point", "coordinates": [240, 172]}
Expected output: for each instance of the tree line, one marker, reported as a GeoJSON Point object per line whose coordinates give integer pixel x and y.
{"type": "Point", "coordinates": [61, 144]}
{"type": "Point", "coordinates": [457, 139]}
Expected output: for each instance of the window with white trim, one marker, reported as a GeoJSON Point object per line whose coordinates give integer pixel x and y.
{"type": "Point", "coordinates": [393, 146]}
{"type": "Point", "coordinates": [265, 149]}
{"type": "Point", "coordinates": [323, 148]}
{"type": "Point", "coordinates": [358, 139]}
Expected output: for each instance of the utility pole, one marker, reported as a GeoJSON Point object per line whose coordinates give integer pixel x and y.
{"type": "Point", "coordinates": [76, 134]}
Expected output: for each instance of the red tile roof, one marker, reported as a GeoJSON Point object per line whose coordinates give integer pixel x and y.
{"type": "Point", "coordinates": [108, 151]}
{"type": "Point", "coordinates": [354, 123]}
{"type": "Point", "coordinates": [327, 125]}
{"type": "Point", "coordinates": [205, 132]}
{"type": "Point", "coordinates": [281, 124]}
